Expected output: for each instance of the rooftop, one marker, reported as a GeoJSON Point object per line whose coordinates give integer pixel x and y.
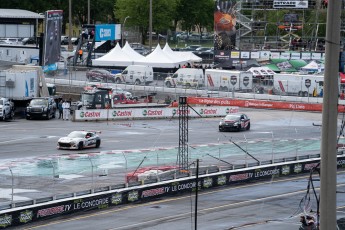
{"type": "Point", "coordinates": [17, 13]}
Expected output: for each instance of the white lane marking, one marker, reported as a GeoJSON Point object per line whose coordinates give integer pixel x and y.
{"type": "Point", "coordinates": [25, 138]}
{"type": "Point", "coordinates": [11, 125]}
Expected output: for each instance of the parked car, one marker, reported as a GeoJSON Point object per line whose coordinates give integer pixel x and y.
{"type": "Point", "coordinates": [207, 53]}
{"type": "Point", "coordinates": [100, 75]}
{"type": "Point", "coordinates": [191, 48]}
{"type": "Point", "coordinates": [118, 90]}
{"type": "Point", "coordinates": [182, 36]}
{"type": "Point", "coordinates": [199, 50]}
{"type": "Point", "coordinates": [194, 37]}
{"type": "Point", "coordinates": [41, 107]}
{"type": "Point", "coordinates": [6, 109]}
{"type": "Point", "coordinates": [64, 40]}
{"type": "Point", "coordinates": [29, 41]}
{"type": "Point", "coordinates": [235, 122]}
{"type": "Point", "coordinates": [79, 140]}
{"type": "Point", "coordinates": [74, 41]}
{"type": "Point", "coordinates": [10, 41]}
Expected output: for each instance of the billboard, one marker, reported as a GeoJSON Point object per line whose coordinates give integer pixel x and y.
{"type": "Point", "coordinates": [284, 4]}
{"type": "Point", "coordinates": [105, 32]}
{"type": "Point", "coordinates": [225, 29]}
{"type": "Point", "coordinates": [52, 39]}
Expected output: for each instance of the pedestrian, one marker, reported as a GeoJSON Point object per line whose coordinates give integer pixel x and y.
{"type": "Point", "coordinates": [65, 107]}
{"type": "Point", "coordinates": [60, 109]}
{"type": "Point", "coordinates": [80, 52]}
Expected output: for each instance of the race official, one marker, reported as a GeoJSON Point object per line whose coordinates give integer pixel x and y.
{"type": "Point", "coordinates": [66, 107]}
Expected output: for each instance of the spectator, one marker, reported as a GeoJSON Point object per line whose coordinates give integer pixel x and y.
{"type": "Point", "coordinates": [80, 52]}
{"type": "Point", "coordinates": [60, 109]}
{"type": "Point", "coordinates": [65, 107]}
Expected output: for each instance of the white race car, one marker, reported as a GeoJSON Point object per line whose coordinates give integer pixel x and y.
{"type": "Point", "coordinates": [80, 140]}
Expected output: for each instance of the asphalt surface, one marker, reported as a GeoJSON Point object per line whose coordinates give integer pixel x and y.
{"type": "Point", "coordinates": [23, 140]}
{"type": "Point", "coordinates": [275, 204]}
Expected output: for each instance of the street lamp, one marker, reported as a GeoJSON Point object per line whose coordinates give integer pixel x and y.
{"type": "Point", "coordinates": [123, 26]}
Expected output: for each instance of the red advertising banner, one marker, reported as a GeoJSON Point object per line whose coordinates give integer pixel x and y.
{"type": "Point", "coordinates": [258, 104]}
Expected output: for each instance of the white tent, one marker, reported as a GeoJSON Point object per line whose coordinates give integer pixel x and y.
{"type": "Point", "coordinates": [115, 57]}
{"type": "Point", "coordinates": [261, 71]}
{"type": "Point", "coordinates": [167, 50]}
{"type": "Point", "coordinates": [189, 55]}
{"type": "Point", "coordinates": [135, 56]}
{"type": "Point", "coordinates": [158, 59]}
{"type": "Point", "coordinates": [313, 67]}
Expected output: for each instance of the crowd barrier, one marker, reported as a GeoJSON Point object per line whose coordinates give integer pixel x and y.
{"type": "Point", "coordinates": [206, 180]}
{"type": "Point", "coordinates": [141, 113]}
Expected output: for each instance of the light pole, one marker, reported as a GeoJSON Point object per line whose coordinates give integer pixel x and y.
{"type": "Point", "coordinates": [88, 12]}
{"type": "Point", "coordinates": [123, 27]}
{"type": "Point", "coordinates": [150, 26]}
{"type": "Point", "coordinates": [70, 46]}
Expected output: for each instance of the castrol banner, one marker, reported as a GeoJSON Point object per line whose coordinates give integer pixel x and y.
{"type": "Point", "coordinates": [132, 113]}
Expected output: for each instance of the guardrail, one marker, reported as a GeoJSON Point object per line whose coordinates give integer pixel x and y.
{"type": "Point", "coordinates": [152, 188]}
{"type": "Point", "coordinates": [197, 92]}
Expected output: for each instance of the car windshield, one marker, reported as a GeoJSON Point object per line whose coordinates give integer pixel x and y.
{"type": "Point", "coordinates": [40, 102]}
{"type": "Point", "coordinates": [77, 134]}
{"type": "Point", "coordinates": [232, 117]}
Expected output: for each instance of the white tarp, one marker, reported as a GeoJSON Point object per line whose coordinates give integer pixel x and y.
{"type": "Point", "coordinates": [158, 59]}
{"type": "Point", "coordinates": [261, 71]}
{"type": "Point", "coordinates": [135, 56]}
{"type": "Point", "coordinates": [167, 50]}
{"type": "Point", "coordinates": [189, 56]}
{"type": "Point", "coordinates": [115, 57]}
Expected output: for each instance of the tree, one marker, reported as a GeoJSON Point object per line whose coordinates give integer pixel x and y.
{"type": "Point", "coordinates": [139, 12]}
{"type": "Point", "coordinates": [196, 14]}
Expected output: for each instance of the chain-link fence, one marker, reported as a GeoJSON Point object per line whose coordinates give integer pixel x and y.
{"type": "Point", "coordinates": [24, 180]}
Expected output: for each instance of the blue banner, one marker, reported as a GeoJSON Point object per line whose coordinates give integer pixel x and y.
{"type": "Point", "coordinates": [106, 32]}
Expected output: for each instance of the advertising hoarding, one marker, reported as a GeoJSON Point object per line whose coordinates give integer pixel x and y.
{"type": "Point", "coordinates": [52, 40]}
{"type": "Point", "coordinates": [106, 32]}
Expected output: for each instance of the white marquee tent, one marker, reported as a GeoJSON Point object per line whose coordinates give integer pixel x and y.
{"type": "Point", "coordinates": [159, 59]}
{"type": "Point", "coordinates": [167, 50]}
{"type": "Point", "coordinates": [115, 57]}
{"type": "Point", "coordinates": [188, 55]}
{"type": "Point", "coordinates": [135, 56]}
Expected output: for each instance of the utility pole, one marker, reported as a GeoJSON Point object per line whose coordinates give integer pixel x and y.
{"type": "Point", "coordinates": [70, 47]}
{"type": "Point", "coordinates": [150, 27]}
{"type": "Point", "coordinates": [88, 12]}
{"type": "Point", "coordinates": [328, 177]}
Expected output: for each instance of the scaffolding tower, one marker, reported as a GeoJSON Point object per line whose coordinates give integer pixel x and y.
{"type": "Point", "coordinates": [261, 26]}
{"type": "Point", "coordinates": [183, 156]}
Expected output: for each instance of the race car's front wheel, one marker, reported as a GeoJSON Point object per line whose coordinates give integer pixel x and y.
{"type": "Point", "coordinates": [98, 143]}
{"type": "Point", "coordinates": [239, 128]}
{"type": "Point", "coordinates": [80, 146]}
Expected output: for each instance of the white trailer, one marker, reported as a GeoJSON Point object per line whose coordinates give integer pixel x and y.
{"type": "Point", "coordinates": [21, 83]}
{"type": "Point", "coordinates": [187, 77]}
{"type": "Point", "coordinates": [297, 84]}
{"type": "Point", "coordinates": [227, 80]}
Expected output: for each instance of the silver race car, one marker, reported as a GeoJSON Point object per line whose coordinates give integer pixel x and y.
{"type": "Point", "coordinates": [80, 140]}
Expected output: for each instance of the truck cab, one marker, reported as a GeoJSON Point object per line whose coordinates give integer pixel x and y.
{"type": "Point", "coordinates": [96, 99]}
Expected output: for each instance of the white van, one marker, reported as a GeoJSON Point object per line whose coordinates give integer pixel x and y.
{"type": "Point", "coordinates": [187, 77]}
{"type": "Point", "coordinates": [135, 74]}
